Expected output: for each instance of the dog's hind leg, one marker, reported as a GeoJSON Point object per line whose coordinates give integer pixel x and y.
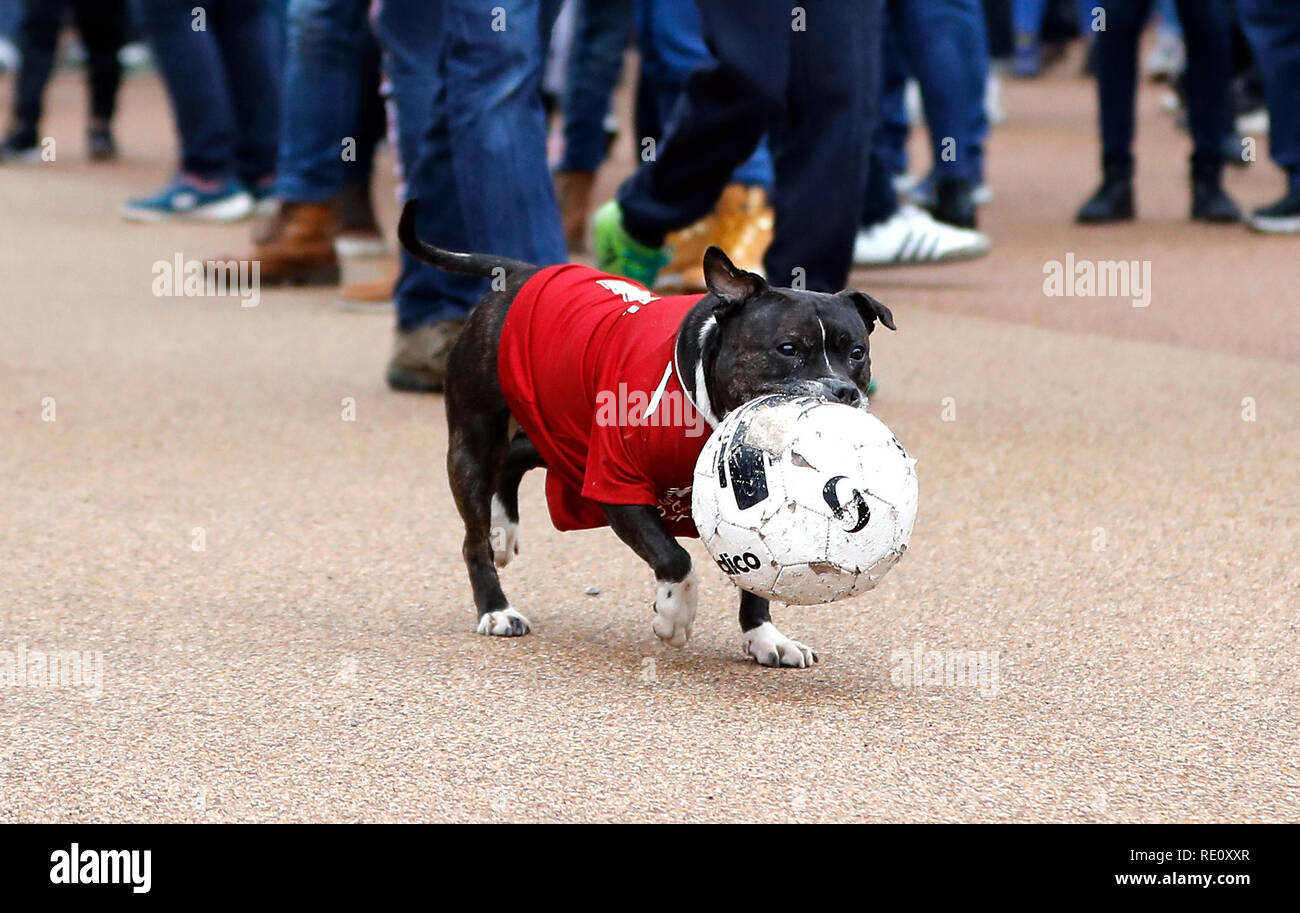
{"type": "Point", "coordinates": [521, 457]}
{"type": "Point", "coordinates": [476, 455]}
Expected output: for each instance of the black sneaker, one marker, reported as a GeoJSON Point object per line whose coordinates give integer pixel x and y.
{"type": "Point", "coordinates": [20, 146]}
{"type": "Point", "coordinates": [100, 145]}
{"type": "Point", "coordinates": [1283, 217]}
{"type": "Point", "coordinates": [1113, 200]}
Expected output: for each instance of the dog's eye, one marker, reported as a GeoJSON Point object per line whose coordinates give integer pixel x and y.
{"type": "Point", "coordinates": [858, 353]}
{"type": "Point", "coordinates": [788, 348]}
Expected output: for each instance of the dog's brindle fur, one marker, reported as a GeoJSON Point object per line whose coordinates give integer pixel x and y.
{"type": "Point", "coordinates": [743, 339]}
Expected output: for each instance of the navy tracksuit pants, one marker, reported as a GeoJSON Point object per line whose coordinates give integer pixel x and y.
{"type": "Point", "coordinates": [806, 76]}
{"type": "Point", "coordinates": [1273, 29]}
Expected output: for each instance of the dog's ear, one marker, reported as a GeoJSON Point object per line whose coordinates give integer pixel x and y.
{"type": "Point", "coordinates": [870, 309]}
{"type": "Point", "coordinates": [730, 284]}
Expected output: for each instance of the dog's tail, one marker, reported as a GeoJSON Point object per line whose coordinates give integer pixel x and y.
{"type": "Point", "coordinates": [471, 264]}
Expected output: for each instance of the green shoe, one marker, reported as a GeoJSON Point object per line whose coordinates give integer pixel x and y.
{"type": "Point", "coordinates": [619, 253]}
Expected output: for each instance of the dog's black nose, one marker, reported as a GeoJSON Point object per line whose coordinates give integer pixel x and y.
{"type": "Point", "coordinates": [844, 392]}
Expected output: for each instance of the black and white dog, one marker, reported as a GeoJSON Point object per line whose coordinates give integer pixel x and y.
{"type": "Point", "coordinates": [519, 395]}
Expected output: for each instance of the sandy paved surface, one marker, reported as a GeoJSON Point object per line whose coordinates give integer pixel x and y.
{"type": "Point", "coordinates": [1098, 515]}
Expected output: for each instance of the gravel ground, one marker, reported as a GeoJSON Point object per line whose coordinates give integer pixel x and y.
{"type": "Point", "coordinates": [1100, 527]}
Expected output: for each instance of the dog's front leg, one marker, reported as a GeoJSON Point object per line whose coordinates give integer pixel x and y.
{"type": "Point", "coordinates": [641, 527]}
{"type": "Point", "coordinates": [760, 638]}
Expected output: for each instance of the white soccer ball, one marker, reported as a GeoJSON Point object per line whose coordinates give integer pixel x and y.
{"type": "Point", "coordinates": [804, 501]}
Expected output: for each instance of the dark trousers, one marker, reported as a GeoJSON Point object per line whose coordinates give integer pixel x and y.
{"type": "Point", "coordinates": [223, 81]}
{"type": "Point", "coordinates": [102, 24]}
{"type": "Point", "coordinates": [1207, 31]}
{"type": "Point", "coordinates": [672, 46]}
{"type": "Point", "coordinates": [1273, 29]}
{"type": "Point", "coordinates": [812, 91]}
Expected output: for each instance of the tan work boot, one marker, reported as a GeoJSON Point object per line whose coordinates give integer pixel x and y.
{"type": "Point", "coordinates": [573, 193]}
{"type": "Point", "coordinates": [296, 245]}
{"type": "Point", "coordinates": [745, 223]}
{"type": "Point", "coordinates": [685, 271]}
{"type": "Point", "coordinates": [419, 362]}
{"type": "Point", "coordinates": [368, 297]}
{"type": "Point", "coordinates": [741, 224]}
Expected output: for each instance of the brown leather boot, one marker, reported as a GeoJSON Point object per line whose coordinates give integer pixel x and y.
{"type": "Point", "coordinates": [573, 192]}
{"type": "Point", "coordinates": [296, 245]}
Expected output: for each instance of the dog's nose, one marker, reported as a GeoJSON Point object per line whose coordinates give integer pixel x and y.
{"type": "Point", "coordinates": [844, 392]}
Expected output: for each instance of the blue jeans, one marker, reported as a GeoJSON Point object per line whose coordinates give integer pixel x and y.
{"type": "Point", "coordinates": [329, 46]}
{"type": "Point", "coordinates": [595, 61]}
{"type": "Point", "coordinates": [668, 32]}
{"type": "Point", "coordinates": [471, 137]}
{"type": "Point", "coordinates": [1027, 15]}
{"type": "Point", "coordinates": [1168, 11]}
{"type": "Point", "coordinates": [1273, 30]}
{"type": "Point", "coordinates": [11, 12]}
{"type": "Point", "coordinates": [223, 82]}
{"type": "Point", "coordinates": [943, 44]}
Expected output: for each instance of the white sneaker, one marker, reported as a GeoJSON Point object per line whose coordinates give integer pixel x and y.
{"type": "Point", "coordinates": [911, 235]}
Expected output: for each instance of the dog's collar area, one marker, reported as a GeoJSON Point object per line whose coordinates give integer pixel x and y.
{"type": "Point", "coordinates": [701, 398]}
{"type": "Point", "coordinates": [697, 391]}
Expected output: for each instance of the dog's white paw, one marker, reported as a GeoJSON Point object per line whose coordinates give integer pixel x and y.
{"type": "Point", "coordinates": [505, 534]}
{"type": "Point", "coordinates": [675, 610]}
{"type": "Point", "coordinates": [504, 623]}
{"type": "Point", "coordinates": [772, 648]}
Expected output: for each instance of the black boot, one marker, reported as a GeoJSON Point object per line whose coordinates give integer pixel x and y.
{"type": "Point", "coordinates": [99, 142]}
{"type": "Point", "coordinates": [954, 203]}
{"type": "Point", "coordinates": [1210, 203]}
{"type": "Point", "coordinates": [1113, 200]}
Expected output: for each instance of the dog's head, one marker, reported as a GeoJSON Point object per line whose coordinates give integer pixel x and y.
{"type": "Point", "coordinates": [749, 339]}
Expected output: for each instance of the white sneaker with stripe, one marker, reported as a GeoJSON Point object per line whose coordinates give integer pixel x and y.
{"type": "Point", "coordinates": [912, 235]}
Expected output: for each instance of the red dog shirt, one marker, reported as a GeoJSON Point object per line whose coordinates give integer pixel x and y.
{"type": "Point", "coordinates": [586, 366]}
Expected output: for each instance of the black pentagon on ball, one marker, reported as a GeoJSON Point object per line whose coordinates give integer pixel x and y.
{"type": "Point", "coordinates": [748, 471]}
